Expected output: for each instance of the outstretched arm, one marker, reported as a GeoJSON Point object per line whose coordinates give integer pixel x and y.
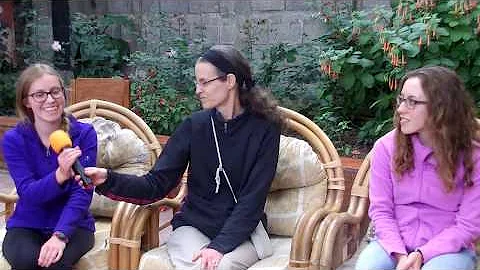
{"type": "Point", "coordinates": [163, 177]}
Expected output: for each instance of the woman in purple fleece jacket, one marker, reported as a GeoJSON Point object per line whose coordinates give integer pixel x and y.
{"type": "Point", "coordinates": [51, 227]}
{"type": "Point", "coordinates": [425, 177]}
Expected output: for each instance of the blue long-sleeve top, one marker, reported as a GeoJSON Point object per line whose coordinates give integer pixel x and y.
{"type": "Point", "coordinates": [43, 204]}
{"type": "Point", "coordinates": [249, 149]}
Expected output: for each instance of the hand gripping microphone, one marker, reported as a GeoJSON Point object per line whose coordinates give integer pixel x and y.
{"type": "Point", "coordinates": [59, 140]}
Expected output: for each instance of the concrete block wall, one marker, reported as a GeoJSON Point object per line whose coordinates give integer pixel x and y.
{"type": "Point", "coordinates": [228, 21]}
{"type": "Point", "coordinates": [263, 22]}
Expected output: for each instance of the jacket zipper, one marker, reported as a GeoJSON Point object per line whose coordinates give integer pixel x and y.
{"type": "Point", "coordinates": [225, 127]}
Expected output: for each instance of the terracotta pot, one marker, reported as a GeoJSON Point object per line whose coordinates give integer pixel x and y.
{"type": "Point", "coordinates": [6, 123]}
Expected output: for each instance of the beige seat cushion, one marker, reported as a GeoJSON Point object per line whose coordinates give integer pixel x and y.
{"type": "Point", "coordinates": [280, 257]}
{"type": "Point", "coordinates": [300, 184]}
{"type": "Point", "coordinates": [120, 150]}
{"type": "Point", "coordinates": [158, 258]}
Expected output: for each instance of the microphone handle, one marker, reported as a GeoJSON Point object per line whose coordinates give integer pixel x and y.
{"type": "Point", "coordinates": [79, 170]}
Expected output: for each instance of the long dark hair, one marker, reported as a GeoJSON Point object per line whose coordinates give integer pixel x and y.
{"type": "Point", "coordinates": [451, 118]}
{"type": "Point", "coordinates": [257, 100]}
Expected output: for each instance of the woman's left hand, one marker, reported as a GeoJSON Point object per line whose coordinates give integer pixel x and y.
{"type": "Point", "coordinates": [51, 252]}
{"type": "Point", "coordinates": [417, 259]}
{"type": "Point", "coordinates": [210, 258]}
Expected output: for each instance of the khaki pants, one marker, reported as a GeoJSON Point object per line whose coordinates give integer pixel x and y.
{"type": "Point", "coordinates": [186, 241]}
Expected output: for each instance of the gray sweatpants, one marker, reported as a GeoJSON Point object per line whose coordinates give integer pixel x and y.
{"type": "Point", "coordinates": [186, 241]}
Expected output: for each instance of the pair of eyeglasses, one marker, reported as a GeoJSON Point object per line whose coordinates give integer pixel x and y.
{"type": "Point", "coordinates": [41, 96]}
{"type": "Point", "coordinates": [409, 102]}
{"type": "Point", "coordinates": [203, 84]}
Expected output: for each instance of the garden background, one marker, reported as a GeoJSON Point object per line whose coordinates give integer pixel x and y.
{"type": "Point", "coordinates": [336, 62]}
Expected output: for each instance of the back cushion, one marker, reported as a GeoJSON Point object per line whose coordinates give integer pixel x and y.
{"type": "Point", "coordinates": [300, 183]}
{"type": "Point", "coordinates": [120, 150]}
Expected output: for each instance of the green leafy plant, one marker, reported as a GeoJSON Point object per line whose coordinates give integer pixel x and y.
{"type": "Point", "coordinates": [162, 88]}
{"type": "Point", "coordinates": [8, 75]}
{"type": "Point", "coordinates": [369, 53]}
{"type": "Point", "coordinates": [96, 52]}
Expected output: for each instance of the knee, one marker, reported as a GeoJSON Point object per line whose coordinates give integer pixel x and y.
{"type": "Point", "coordinates": [22, 261]}
{"type": "Point", "coordinates": [227, 264]}
{"type": "Point", "coordinates": [374, 257]}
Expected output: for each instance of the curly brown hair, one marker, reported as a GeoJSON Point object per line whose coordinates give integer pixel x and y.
{"type": "Point", "coordinates": [257, 100]}
{"type": "Point", "coordinates": [452, 138]}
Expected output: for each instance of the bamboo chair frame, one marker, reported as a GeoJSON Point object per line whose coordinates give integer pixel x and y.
{"type": "Point", "coordinates": [124, 213]}
{"type": "Point", "coordinates": [141, 232]}
{"type": "Point", "coordinates": [340, 234]}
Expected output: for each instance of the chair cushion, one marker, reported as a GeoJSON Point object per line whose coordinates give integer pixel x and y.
{"type": "Point", "coordinates": [300, 184]}
{"type": "Point", "coordinates": [97, 257]}
{"type": "Point", "coordinates": [298, 165]}
{"type": "Point", "coordinates": [158, 258]}
{"type": "Point", "coordinates": [120, 150]}
{"type": "Point", "coordinates": [280, 257]}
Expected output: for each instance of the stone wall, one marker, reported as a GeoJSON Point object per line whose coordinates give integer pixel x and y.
{"type": "Point", "coordinates": [247, 24]}
{"type": "Point", "coordinates": [260, 22]}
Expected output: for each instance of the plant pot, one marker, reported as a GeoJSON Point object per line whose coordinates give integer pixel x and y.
{"type": "Point", "coordinates": [6, 123]}
{"type": "Point", "coordinates": [350, 169]}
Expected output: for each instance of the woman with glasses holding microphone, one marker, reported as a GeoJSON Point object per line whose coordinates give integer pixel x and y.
{"type": "Point", "coordinates": [51, 227]}
{"type": "Point", "coordinates": [425, 177]}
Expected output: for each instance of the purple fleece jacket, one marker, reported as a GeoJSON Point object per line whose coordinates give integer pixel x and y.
{"type": "Point", "coordinates": [415, 211]}
{"type": "Point", "coordinates": [44, 204]}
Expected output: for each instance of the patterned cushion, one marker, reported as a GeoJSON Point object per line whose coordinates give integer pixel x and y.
{"type": "Point", "coordinates": [300, 184]}
{"type": "Point", "coordinates": [118, 149]}
{"type": "Point", "coordinates": [298, 165]}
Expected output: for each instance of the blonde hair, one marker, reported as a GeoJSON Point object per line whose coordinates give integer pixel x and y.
{"type": "Point", "coordinates": [23, 84]}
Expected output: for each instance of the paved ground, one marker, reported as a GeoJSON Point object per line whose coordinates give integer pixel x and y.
{"type": "Point", "coordinates": [6, 185]}
{"type": "Point", "coordinates": [350, 264]}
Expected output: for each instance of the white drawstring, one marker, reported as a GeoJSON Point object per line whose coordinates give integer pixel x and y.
{"type": "Point", "coordinates": [220, 165]}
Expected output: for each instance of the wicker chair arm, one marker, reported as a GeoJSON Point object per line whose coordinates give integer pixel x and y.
{"type": "Point", "coordinates": [302, 240]}
{"type": "Point", "coordinates": [335, 233]}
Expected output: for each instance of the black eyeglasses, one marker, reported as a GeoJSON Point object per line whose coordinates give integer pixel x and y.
{"type": "Point", "coordinates": [409, 102]}
{"type": "Point", "coordinates": [203, 84]}
{"type": "Point", "coordinates": [41, 96]}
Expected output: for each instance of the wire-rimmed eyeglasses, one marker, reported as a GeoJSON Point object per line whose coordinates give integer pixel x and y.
{"type": "Point", "coordinates": [409, 102]}
{"type": "Point", "coordinates": [203, 84]}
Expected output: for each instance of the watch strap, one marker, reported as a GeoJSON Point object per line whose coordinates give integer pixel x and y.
{"type": "Point", "coordinates": [61, 236]}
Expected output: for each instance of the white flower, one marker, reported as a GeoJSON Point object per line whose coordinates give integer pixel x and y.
{"type": "Point", "coordinates": [56, 46]}
{"type": "Point", "coordinates": [171, 53]}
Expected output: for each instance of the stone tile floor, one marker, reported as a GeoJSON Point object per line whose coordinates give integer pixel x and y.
{"type": "Point", "coordinates": [6, 185]}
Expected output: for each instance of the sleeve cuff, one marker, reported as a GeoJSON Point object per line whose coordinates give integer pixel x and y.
{"type": "Point", "coordinates": [107, 185]}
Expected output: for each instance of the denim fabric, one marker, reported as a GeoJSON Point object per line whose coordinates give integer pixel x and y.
{"type": "Point", "coordinates": [374, 257]}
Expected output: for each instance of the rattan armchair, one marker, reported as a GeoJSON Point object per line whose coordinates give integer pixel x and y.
{"type": "Point", "coordinates": [120, 220]}
{"type": "Point", "coordinates": [340, 234]}
{"type": "Point", "coordinates": [141, 229]}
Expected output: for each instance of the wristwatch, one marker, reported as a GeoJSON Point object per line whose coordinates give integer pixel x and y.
{"type": "Point", "coordinates": [61, 236]}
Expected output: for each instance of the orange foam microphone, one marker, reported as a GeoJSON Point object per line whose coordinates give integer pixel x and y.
{"type": "Point", "coordinates": [59, 140]}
